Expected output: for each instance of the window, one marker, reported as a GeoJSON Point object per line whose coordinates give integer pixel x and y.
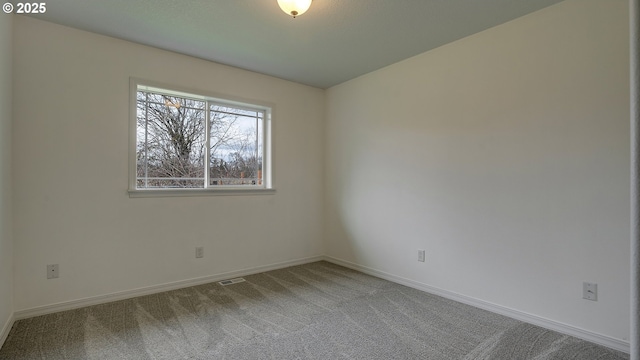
{"type": "Point", "coordinates": [189, 143]}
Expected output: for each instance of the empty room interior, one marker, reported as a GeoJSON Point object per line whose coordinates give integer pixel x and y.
{"type": "Point", "coordinates": [467, 154]}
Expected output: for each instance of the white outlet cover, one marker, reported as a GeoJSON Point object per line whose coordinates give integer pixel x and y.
{"type": "Point", "coordinates": [590, 291]}
{"type": "Point", "coordinates": [53, 271]}
{"type": "Point", "coordinates": [421, 255]}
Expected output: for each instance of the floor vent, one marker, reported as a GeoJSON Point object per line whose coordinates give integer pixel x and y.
{"type": "Point", "coordinates": [232, 281]}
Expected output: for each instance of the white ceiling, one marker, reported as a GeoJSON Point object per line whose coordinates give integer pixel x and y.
{"type": "Point", "coordinates": [336, 40]}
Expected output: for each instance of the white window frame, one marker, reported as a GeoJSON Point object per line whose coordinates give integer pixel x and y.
{"type": "Point", "coordinates": [267, 186]}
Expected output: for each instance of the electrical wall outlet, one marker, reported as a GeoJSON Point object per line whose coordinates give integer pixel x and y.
{"type": "Point", "coordinates": [53, 271]}
{"type": "Point", "coordinates": [590, 291]}
{"type": "Point", "coordinates": [420, 255]}
{"type": "Point", "coordinates": [200, 252]}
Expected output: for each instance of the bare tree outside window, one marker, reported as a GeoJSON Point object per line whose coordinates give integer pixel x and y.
{"type": "Point", "coordinates": [191, 143]}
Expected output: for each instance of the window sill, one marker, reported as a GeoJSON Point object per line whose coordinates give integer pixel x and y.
{"type": "Point", "coordinates": [198, 192]}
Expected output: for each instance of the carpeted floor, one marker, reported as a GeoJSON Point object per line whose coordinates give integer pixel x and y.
{"type": "Point", "coordinates": [313, 311]}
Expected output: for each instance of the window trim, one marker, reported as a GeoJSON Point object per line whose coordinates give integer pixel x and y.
{"type": "Point", "coordinates": [268, 160]}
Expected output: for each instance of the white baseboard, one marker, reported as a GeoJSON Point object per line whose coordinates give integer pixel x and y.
{"type": "Point", "coordinates": [600, 339]}
{"type": "Point", "coordinates": [127, 294]}
{"type": "Point", "coordinates": [6, 328]}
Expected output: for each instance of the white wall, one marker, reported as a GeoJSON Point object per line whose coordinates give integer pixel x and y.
{"type": "Point", "coordinates": [71, 116]}
{"type": "Point", "coordinates": [6, 238]}
{"type": "Point", "coordinates": [505, 155]}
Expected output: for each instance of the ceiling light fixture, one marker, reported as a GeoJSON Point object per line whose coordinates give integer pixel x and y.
{"type": "Point", "coordinates": [294, 7]}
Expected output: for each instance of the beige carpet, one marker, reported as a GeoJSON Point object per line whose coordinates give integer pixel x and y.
{"type": "Point", "coordinates": [313, 311]}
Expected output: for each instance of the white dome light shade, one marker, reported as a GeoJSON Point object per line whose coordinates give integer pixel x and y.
{"type": "Point", "coordinates": [294, 7]}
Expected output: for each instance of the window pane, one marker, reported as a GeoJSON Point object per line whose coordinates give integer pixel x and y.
{"type": "Point", "coordinates": [185, 140]}
{"type": "Point", "coordinates": [170, 141]}
{"type": "Point", "coordinates": [235, 151]}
